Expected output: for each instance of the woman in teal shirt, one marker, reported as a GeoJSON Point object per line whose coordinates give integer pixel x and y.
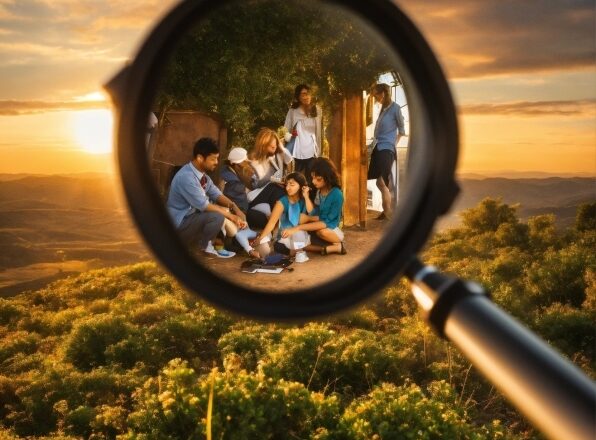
{"type": "Point", "coordinates": [323, 220]}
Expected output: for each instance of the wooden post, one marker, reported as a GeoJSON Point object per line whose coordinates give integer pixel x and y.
{"type": "Point", "coordinates": [347, 150]}
{"type": "Point", "coordinates": [354, 166]}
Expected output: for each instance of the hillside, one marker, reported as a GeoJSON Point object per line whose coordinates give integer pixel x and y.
{"type": "Point", "coordinates": [556, 195]}
{"type": "Point", "coordinates": [52, 225]}
{"type": "Point", "coordinates": [125, 353]}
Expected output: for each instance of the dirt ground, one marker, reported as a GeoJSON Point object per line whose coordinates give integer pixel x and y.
{"type": "Point", "coordinates": [359, 242]}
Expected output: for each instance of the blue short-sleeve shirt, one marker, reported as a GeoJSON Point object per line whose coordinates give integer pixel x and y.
{"type": "Point", "coordinates": [187, 195]}
{"type": "Point", "coordinates": [389, 123]}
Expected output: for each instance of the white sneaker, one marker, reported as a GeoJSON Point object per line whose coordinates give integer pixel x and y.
{"type": "Point", "coordinates": [221, 253]}
{"type": "Point", "coordinates": [301, 257]}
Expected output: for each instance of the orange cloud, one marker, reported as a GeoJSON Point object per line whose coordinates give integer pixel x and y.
{"type": "Point", "coordinates": [16, 108]}
{"type": "Point", "coordinates": [578, 108]}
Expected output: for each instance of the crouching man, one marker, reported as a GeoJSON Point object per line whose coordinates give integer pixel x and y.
{"type": "Point", "coordinates": [195, 204]}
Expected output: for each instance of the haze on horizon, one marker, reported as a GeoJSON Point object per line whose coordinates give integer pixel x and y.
{"type": "Point", "coordinates": [526, 94]}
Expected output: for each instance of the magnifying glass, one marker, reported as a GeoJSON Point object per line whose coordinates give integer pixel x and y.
{"type": "Point", "coordinates": [227, 81]}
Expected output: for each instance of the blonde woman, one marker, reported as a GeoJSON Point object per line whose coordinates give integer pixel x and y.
{"type": "Point", "coordinates": [270, 160]}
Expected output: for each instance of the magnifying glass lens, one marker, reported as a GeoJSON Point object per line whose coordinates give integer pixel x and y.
{"type": "Point", "coordinates": [307, 115]}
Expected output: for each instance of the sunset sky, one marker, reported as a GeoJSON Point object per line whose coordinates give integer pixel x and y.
{"type": "Point", "coordinates": [523, 75]}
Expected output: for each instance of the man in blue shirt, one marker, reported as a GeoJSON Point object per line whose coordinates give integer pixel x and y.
{"type": "Point", "coordinates": [195, 204]}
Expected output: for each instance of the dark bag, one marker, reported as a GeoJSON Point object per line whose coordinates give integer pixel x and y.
{"type": "Point", "coordinates": [273, 263]}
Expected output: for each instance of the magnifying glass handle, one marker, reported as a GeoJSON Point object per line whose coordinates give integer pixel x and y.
{"type": "Point", "coordinates": [550, 391]}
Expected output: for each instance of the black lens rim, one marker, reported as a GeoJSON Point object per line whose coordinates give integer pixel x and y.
{"type": "Point", "coordinates": [437, 187]}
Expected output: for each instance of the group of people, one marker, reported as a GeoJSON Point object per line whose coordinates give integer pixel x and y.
{"type": "Point", "coordinates": [260, 199]}
{"type": "Point", "coordinates": [289, 196]}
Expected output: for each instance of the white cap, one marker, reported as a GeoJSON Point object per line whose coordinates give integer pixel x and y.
{"type": "Point", "coordinates": [237, 155]}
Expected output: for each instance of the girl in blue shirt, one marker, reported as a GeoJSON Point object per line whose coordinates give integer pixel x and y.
{"type": "Point", "coordinates": [290, 210]}
{"type": "Point", "coordinates": [324, 217]}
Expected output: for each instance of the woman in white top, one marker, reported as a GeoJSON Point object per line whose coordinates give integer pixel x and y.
{"type": "Point", "coordinates": [270, 161]}
{"type": "Point", "coordinates": [303, 121]}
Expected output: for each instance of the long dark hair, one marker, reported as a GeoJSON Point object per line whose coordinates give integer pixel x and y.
{"type": "Point", "coordinates": [300, 180]}
{"type": "Point", "coordinates": [312, 113]}
{"type": "Point", "coordinates": [324, 168]}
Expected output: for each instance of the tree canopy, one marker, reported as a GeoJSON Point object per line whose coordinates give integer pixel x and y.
{"type": "Point", "coordinates": [244, 60]}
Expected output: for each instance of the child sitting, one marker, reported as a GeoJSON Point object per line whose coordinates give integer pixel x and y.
{"type": "Point", "coordinates": [290, 210]}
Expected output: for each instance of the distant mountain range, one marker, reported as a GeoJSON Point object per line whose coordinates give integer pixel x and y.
{"type": "Point", "coordinates": [514, 174]}
{"type": "Point", "coordinates": [51, 226]}
{"type": "Point", "coordinates": [556, 195]}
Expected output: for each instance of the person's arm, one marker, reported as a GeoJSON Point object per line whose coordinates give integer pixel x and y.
{"type": "Point", "coordinates": [278, 209]}
{"type": "Point", "coordinates": [231, 209]}
{"type": "Point", "coordinates": [335, 209]}
{"type": "Point", "coordinates": [286, 156]}
{"type": "Point", "coordinates": [289, 123]}
{"type": "Point", "coordinates": [312, 226]}
{"type": "Point", "coordinates": [314, 210]}
{"type": "Point", "coordinates": [399, 120]}
{"type": "Point", "coordinates": [307, 201]}
{"type": "Point", "coordinates": [238, 221]}
{"type": "Point", "coordinates": [319, 131]}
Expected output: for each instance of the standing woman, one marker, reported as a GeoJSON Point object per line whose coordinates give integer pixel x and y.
{"type": "Point", "coordinates": [388, 130]}
{"type": "Point", "coordinates": [304, 121]}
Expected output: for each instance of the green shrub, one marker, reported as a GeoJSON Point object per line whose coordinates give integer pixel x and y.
{"type": "Point", "coordinates": [348, 362]}
{"type": "Point", "coordinates": [249, 343]}
{"type": "Point", "coordinates": [87, 346]}
{"type": "Point", "coordinates": [18, 342]}
{"type": "Point", "coordinates": [406, 412]}
{"type": "Point", "coordinates": [569, 329]}
{"type": "Point", "coordinates": [77, 422]}
{"type": "Point", "coordinates": [560, 276]}
{"type": "Point", "coordinates": [245, 406]}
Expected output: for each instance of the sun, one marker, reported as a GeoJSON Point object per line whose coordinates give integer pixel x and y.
{"type": "Point", "coordinates": [92, 130]}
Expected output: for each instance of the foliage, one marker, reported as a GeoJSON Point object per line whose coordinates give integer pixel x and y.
{"type": "Point", "coordinates": [246, 406]}
{"type": "Point", "coordinates": [244, 60]}
{"type": "Point", "coordinates": [126, 353]}
{"type": "Point", "coordinates": [392, 412]}
{"type": "Point", "coordinates": [586, 217]}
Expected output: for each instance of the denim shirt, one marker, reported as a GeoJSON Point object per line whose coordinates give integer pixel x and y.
{"type": "Point", "coordinates": [389, 122]}
{"type": "Point", "coordinates": [234, 188]}
{"type": "Point", "coordinates": [187, 195]}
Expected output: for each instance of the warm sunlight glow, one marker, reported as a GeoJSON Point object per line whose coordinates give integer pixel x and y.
{"type": "Point", "coordinates": [93, 96]}
{"type": "Point", "coordinates": [92, 130]}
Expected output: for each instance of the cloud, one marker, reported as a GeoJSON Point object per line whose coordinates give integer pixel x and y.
{"type": "Point", "coordinates": [16, 108]}
{"type": "Point", "coordinates": [41, 40]}
{"type": "Point", "coordinates": [488, 38]}
{"type": "Point", "coordinates": [578, 108]}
